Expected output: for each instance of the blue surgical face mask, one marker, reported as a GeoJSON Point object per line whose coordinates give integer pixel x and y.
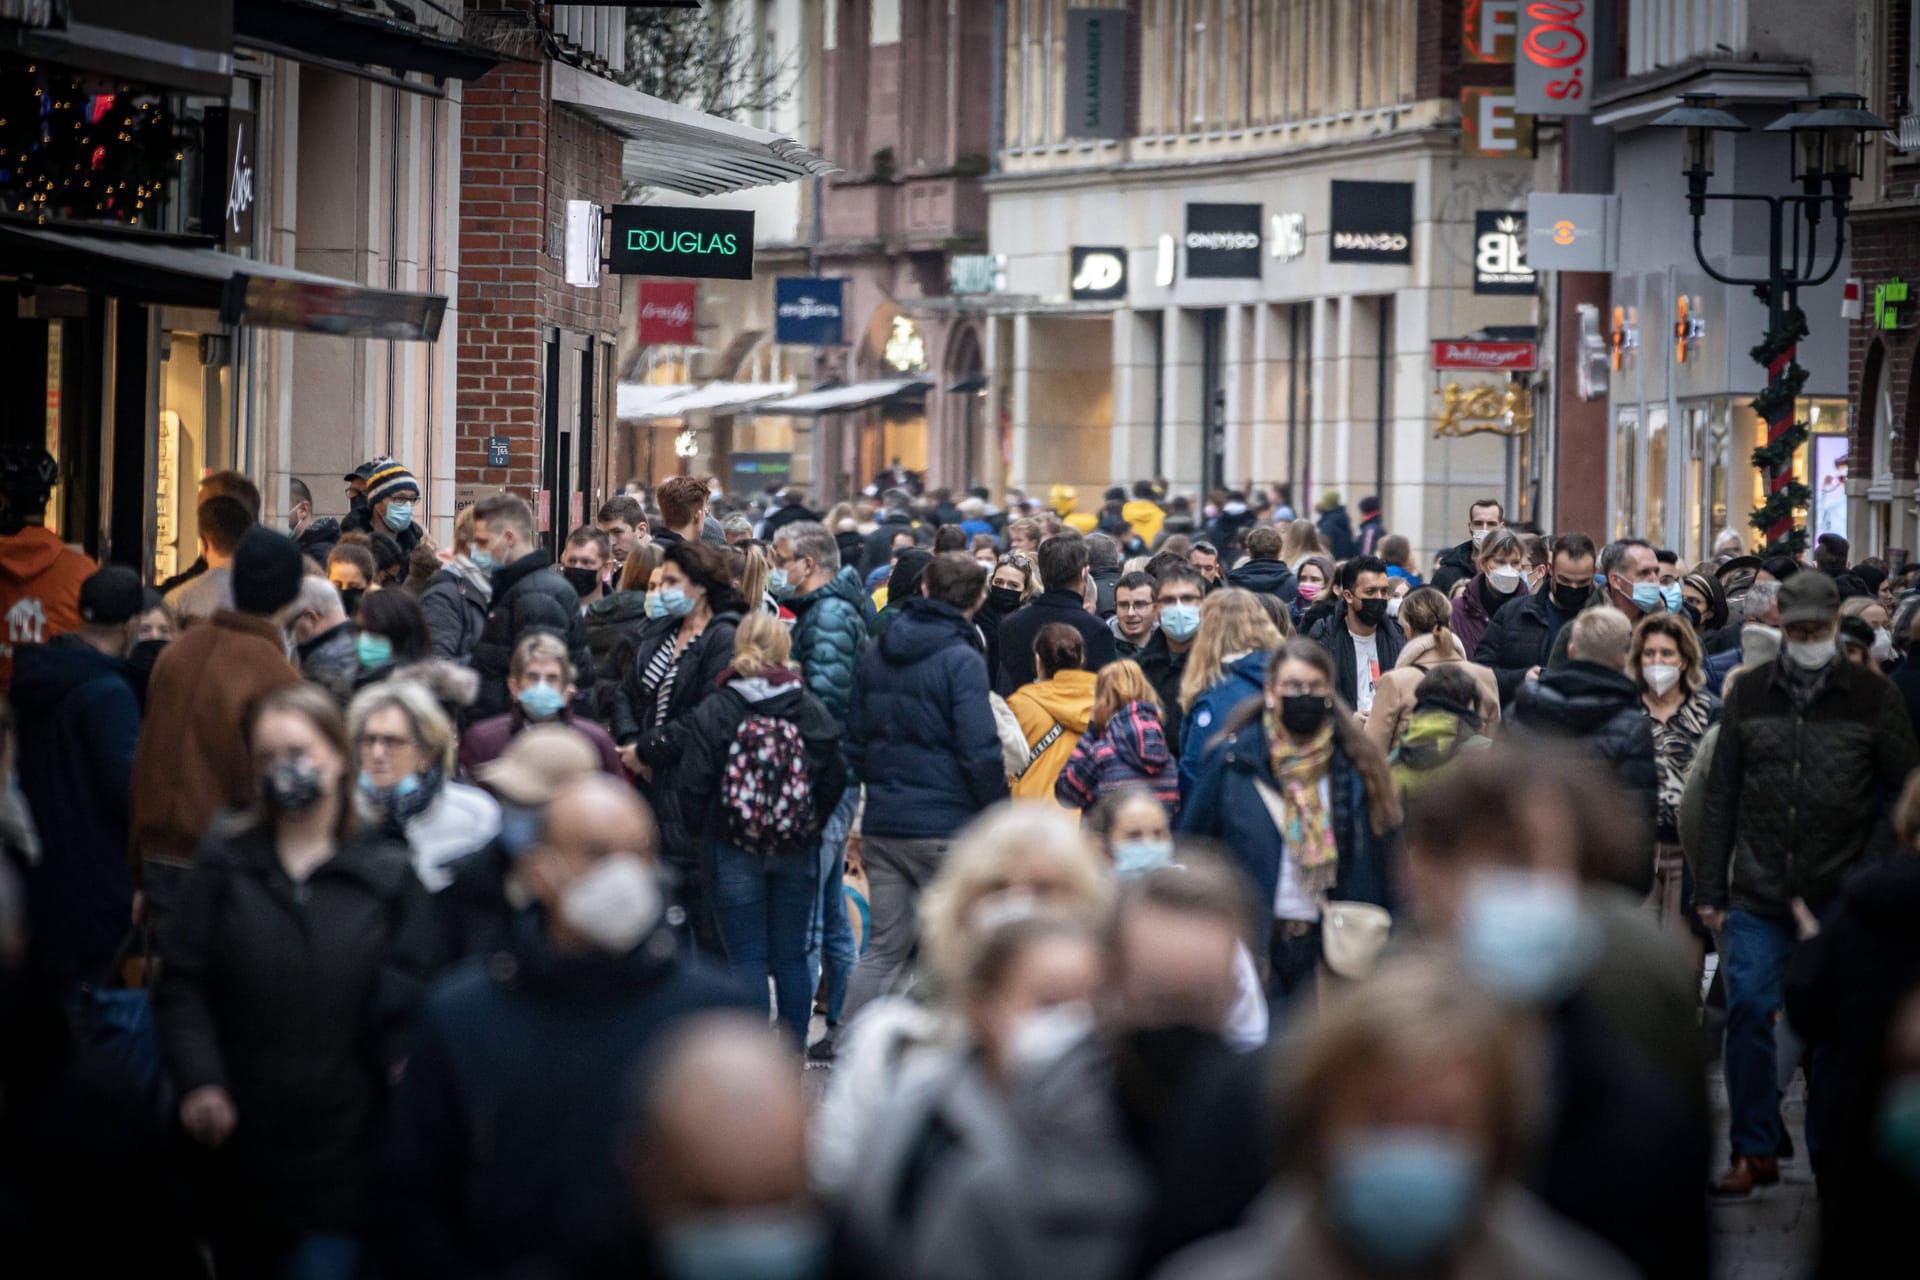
{"type": "Point", "coordinates": [482, 559]}
{"type": "Point", "coordinates": [541, 701]}
{"type": "Point", "coordinates": [777, 585]}
{"type": "Point", "coordinates": [399, 516]}
{"type": "Point", "coordinates": [1646, 596]}
{"type": "Point", "coordinates": [669, 602]}
{"type": "Point", "coordinates": [1670, 594]}
{"type": "Point", "coordinates": [776, 1244]}
{"type": "Point", "coordinates": [405, 787]}
{"type": "Point", "coordinates": [1180, 621]}
{"type": "Point", "coordinates": [1133, 858]}
{"type": "Point", "coordinates": [1403, 1196]}
{"type": "Point", "coordinates": [1527, 936]}
{"type": "Point", "coordinates": [373, 650]}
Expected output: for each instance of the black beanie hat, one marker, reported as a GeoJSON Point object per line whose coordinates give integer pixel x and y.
{"type": "Point", "coordinates": [267, 568]}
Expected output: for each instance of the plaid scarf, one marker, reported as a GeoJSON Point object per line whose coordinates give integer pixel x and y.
{"type": "Point", "coordinates": [1308, 832]}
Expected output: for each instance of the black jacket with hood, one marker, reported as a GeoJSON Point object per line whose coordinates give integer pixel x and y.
{"type": "Point", "coordinates": [1265, 577]}
{"type": "Point", "coordinates": [708, 734]}
{"type": "Point", "coordinates": [1593, 704]}
{"type": "Point", "coordinates": [527, 598]}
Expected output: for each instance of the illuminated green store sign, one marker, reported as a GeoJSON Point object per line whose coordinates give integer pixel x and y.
{"type": "Point", "coordinates": [665, 240]}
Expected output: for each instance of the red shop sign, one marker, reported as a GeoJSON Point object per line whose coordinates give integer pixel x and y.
{"type": "Point", "coordinates": [1553, 65]}
{"type": "Point", "coordinates": [666, 312]}
{"type": "Point", "coordinates": [1504, 357]}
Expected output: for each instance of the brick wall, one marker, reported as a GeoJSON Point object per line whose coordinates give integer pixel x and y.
{"type": "Point", "coordinates": [1885, 245]}
{"type": "Point", "coordinates": [522, 159]}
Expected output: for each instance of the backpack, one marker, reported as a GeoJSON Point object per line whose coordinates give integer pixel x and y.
{"type": "Point", "coordinates": [766, 795]}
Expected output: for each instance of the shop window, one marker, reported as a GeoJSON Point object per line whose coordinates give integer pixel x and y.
{"type": "Point", "coordinates": [1719, 441]}
{"type": "Point", "coordinates": [1654, 529]}
{"type": "Point", "coordinates": [1625, 445]}
{"type": "Point", "coordinates": [1827, 419]}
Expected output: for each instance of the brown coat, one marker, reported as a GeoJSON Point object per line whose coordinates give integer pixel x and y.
{"type": "Point", "coordinates": [192, 761]}
{"type": "Point", "coordinates": [1393, 696]}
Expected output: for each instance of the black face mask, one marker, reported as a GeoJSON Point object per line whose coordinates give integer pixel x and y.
{"type": "Point", "coordinates": [1003, 599]}
{"type": "Point", "coordinates": [1371, 613]}
{"type": "Point", "coordinates": [1570, 599]}
{"type": "Point", "coordinates": [350, 598]}
{"type": "Point", "coordinates": [1302, 714]}
{"type": "Point", "coordinates": [583, 581]}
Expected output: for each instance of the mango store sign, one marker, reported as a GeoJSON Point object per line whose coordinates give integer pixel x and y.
{"type": "Point", "coordinates": [666, 240]}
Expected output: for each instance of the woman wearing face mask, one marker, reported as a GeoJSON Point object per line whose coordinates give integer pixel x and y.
{"type": "Point", "coordinates": [290, 973]}
{"type": "Point", "coordinates": [1007, 863]}
{"type": "Point", "coordinates": [391, 632]}
{"type": "Point", "coordinates": [1879, 623]}
{"type": "Point", "coordinates": [1664, 661]}
{"type": "Point", "coordinates": [615, 621]}
{"type": "Point", "coordinates": [1500, 564]}
{"type": "Point", "coordinates": [1313, 600]}
{"type": "Point", "coordinates": [352, 570]}
{"type": "Point", "coordinates": [405, 749]}
{"type": "Point", "coordinates": [1226, 667]}
{"type": "Point", "coordinates": [1012, 582]}
{"type": "Point", "coordinates": [1403, 1124]}
{"type": "Point", "coordinates": [1306, 805]}
{"type": "Point", "coordinates": [1431, 642]}
{"type": "Point", "coordinates": [1705, 601]}
{"type": "Point", "coordinates": [1124, 745]}
{"type": "Point", "coordinates": [677, 660]}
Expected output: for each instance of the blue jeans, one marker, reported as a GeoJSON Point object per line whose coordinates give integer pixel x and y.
{"type": "Point", "coordinates": [763, 905]}
{"type": "Point", "coordinates": [835, 942]}
{"type": "Point", "coordinates": [322, 1257]}
{"type": "Point", "coordinates": [1757, 948]}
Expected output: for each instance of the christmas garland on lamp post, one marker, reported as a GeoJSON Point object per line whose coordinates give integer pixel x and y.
{"type": "Point", "coordinates": [1786, 495]}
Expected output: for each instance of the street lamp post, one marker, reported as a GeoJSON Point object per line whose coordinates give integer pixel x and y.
{"type": "Point", "coordinates": [1829, 137]}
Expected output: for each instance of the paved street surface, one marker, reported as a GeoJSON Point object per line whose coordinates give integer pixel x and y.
{"type": "Point", "coordinates": [1770, 1234]}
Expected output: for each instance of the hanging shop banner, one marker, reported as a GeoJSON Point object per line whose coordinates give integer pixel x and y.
{"type": "Point", "coordinates": [1486, 31]}
{"type": "Point", "coordinates": [1490, 128]}
{"type": "Point", "coordinates": [1096, 73]}
{"type": "Point", "coordinates": [1370, 222]}
{"type": "Point", "coordinates": [1500, 253]}
{"type": "Point", "coordinates": [667, 240]}
{"type": "Point", "coordinates": [1465, 353]}
{"type": "Point", "coordinates": [972, 273]}
{"type": "Point", "coordinates": [1099, 274]}
{"type": "Point", "coordinates": [227, 188]}
{"type": "Point", "coordinates": [1553, 61]}
{"type": "Point", "coordinates": [809, 312]}
{"type": "Point", "coordinates": [1503, 408]}
{"type": "Point", "coordinates": [666, 313]}
{"type": "Point", "coordinates": [1572, 232]}
{"type": "Point", "coordinates": [1223, 241]}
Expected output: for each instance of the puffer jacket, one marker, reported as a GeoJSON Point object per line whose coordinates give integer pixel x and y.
{"type": "Point", "coordinates": [829, 637]}
{"type": "Point", "coordinates": [1520, 637]}
{"type": "Point", "coordinates": [1265, 577]}
{"type": "Point", "coordinates": [1455, 563]}
{"type": "Point", "coordinates": [920, 729]}
{"type": "Point", "coordinates": [1130, 751]}
{"type": "Point", "coordinates": [527, 598]}
{"type": "Point", "coordinates": [709, 733]}
{"type": "Point", "coordinates": [1053, 713]}
{"type": "Point", "coordinates": [613, 626]}
{"type": "Point", "coordinates": [1243, 678]}
{"type": "Point", "coordinates": [1798, 796]}
{"type": "Point", "coordinates": [456, 610]}
{"type": "Point", "coordinates": [1601, 708]}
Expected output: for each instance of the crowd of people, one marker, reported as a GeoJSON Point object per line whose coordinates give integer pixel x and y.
{"type": "Point", "coordinates": [1199, 890]}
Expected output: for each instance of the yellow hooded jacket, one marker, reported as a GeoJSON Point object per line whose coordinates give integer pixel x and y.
{"type": "Point", "coordinates": [1145, 517]}
{"type": "Point", "coordinates": [1065, 700]}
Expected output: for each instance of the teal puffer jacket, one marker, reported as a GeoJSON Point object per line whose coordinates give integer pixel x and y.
{"type": "Point", "coordinates": [829, 637]}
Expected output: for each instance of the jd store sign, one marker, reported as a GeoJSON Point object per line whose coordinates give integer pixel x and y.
{"type": "Point", "coordinates": [662, 240]}
{"type": "Point", "coordinates": [1099, 274]}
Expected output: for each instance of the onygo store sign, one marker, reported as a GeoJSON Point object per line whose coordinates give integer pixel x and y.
{"type": "Point", "coordinates": [662, 240]}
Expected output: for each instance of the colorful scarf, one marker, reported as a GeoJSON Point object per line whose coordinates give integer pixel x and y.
{"type": "Point", "coordinates": [1308, 830]}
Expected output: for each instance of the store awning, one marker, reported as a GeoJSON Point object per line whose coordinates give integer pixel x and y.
{"type": "Point", "coordinates": [679, 148]}
{"type": "Point", "coordinates": [860, 395]}
{"type": "Point", "coordinates": [641, 401]}
{"type": "Point", "coordinates": [169, 272]}
{"type": "Point", "coordinates": [422, 37]}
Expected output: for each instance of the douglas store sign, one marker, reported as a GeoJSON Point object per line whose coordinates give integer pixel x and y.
{"type": "Point", "coordinates": [1223, 242]}
{"type": "Point", "coordinates": [1371, 222]}
{"type": "Point", "coordinates": [659, 240]}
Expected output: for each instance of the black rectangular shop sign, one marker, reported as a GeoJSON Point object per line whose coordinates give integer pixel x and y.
{"type": "Point", "coordinates": [669, 240]}
{"type": "Point", "coordinates": [1223, 242]}
{"type": "Point", "coordinates": [1370, 222]}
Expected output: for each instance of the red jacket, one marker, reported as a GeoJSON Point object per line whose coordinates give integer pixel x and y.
{"type": "Point", "coordinates": [39, 591]}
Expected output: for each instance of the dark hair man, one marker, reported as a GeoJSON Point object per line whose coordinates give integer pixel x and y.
{"type": "Point", "coordinates": [1132, 622]}
{"type": "Point", "coordinates": [1264, 572]}
{"type": "Point", "coordinates": [1063, 574]}
{"type": "Point", "coordinates": [1457, 562]}
{"type": "Point", "coordinates": [526, 597]}
{"type": "Point", "coordinates": [1519, 640]}
{"type": "Point", "coordinates": [1363, 640]}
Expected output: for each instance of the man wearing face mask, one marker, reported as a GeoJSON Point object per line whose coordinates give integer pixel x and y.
{"type": "Point", "coordinates": [1176, 598]}
{"type": "Point", "coordinates": [1459, 561]}
{"type": "Point", "coordinates": [1520, 639]}
{"type": "Point", "coordinates": [501, 1149]}
{"type": "Point", "coordinates": [1630, 573]}
{"type": "Point", "coordinates": [1363, 640]}
{"type": "Point", "coordinates": [1759, 636]}
{"type": "Point", "coordinates": [392, 494]}
{"type": "Point", "coordinates": [79, 722]}
{"type": "Point", "coordinates": [583, 563]}
{"type": "Point", "coordinates": [322, 636]}
{"type": "Point", "coordinates": [315, 536]}
{"type": "Point", "coordinates": [1813, 751]}
{"type": "Point", "coordinates": [525, 597]}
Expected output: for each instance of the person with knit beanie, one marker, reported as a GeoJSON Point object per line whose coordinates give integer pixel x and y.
{"type": "Point", "coordinates": [392, 493]}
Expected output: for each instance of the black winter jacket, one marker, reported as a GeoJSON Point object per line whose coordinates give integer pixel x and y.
{"type": "Point", "coordinates": [297, 1000]}
{"type": "Point", "coordinates": [707, 734]}
{"type": "Point", "coordinates": [1336, 530]}
{"type": "Point", "coordinates": [1797, 797]}
{"type": "Point", "coordinates": [1331, 634]}
{"type": "Point", "coordinates": [920, 732]}
{"type": "Point", "coordinates": [1601, 708]}
{"type": "Point", "coordinates": [318, 539]}
{"type": "Point", "coordinates": [1454, 564]}
{"type": "Point", "coordinates": [792, 513]}
{"type": "Point", "coordinates": [527, 598]}
{"type": "Point", "coordinates": [1519, 638]}
{"type": "Point", "coordinates": [705, 657]}
{"type": "Point", "coordinates": [878, 548]}
{"type": "Point", "coordinates": [1019, 628]}
{"type": "Point", "coordinates": [614, 623]}
{"type": "Point", "coordinates": [1265, 577]}
{"type": "Point", "coordinates": [1163, 669]}
{"type": "Point", "coordinates": [456, 612]}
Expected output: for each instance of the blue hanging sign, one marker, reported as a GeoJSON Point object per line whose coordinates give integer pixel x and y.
{"type": "Point", "coordinates": [809, 312]}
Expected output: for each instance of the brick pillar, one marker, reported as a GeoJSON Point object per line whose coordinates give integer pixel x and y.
{"type": "Point", "coordinates": [503, 271]}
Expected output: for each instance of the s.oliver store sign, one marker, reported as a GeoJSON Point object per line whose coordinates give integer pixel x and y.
{"type": "Point", "coordinates": [1506, 357]}
{"type": "Point", "coordinates": [1553, 58]}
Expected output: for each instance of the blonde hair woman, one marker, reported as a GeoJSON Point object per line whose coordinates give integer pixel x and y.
{"type": "Point", "coordinates": [1426, 616]}
{"type": "Point", "coordinates": [1226, 666]}
{"type": "Point", "coordinates": [1009, 862]}
{"type": "Point", "coordinates": [1302, 540]}
{"type": "Point", "coordinates": [762, 860]}
{"type": "Point", "coordinates": [404, 746]}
